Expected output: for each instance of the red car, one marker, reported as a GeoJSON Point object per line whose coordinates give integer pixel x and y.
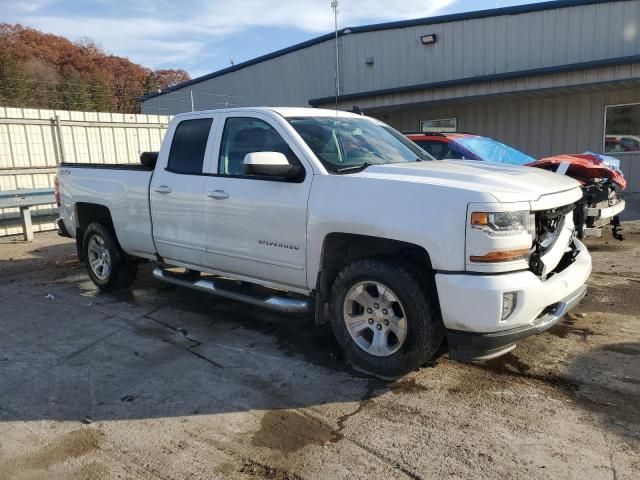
{"type": "Point", "coordinates": [600, 175]}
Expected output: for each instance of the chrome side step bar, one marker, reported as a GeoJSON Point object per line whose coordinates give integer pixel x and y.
{"type": "Point", "coordinates": [216, 287]}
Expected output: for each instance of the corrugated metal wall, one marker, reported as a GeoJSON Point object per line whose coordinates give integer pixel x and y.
{"type": "Point", "coordinates": [492, 45]}
{"type": "Point", "coordinates": [287, 80]}
{"type": "Point", "coordinates": [467, 48]}
{"type": "Point", "coordinates": [539, 126]}
{"type": "Point", "coordinates": [623, 76]}
{"type": "Point", "coordinates": [31, 147]}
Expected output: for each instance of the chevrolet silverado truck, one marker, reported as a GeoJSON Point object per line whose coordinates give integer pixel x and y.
{"type": "Point", "coordinates": [340, 217]}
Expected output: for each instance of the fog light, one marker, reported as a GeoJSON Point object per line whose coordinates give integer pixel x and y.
{"type": "Point", "coordinates": [509, 302]}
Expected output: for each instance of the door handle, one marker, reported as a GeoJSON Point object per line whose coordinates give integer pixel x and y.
{"type": "Point", "coordinates": [218, 194]}
{"type": "Point", "coordinates": [162, 189]}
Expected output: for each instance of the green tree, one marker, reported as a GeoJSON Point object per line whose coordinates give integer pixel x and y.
{"type": "Point", "coordinates": [101, 96]}
{"type": "Point", "coordinates": [74, 93]}
{"type": "Point", "coordinates": [13, 88]}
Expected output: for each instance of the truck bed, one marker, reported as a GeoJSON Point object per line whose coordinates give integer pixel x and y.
{"type": "Point", "coordinates": [109, 166]}
{"type": "Point", "coordinates": [122, 188]}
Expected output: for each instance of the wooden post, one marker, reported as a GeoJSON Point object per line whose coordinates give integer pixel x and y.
{"type": "Point", "coordinates": [27, 228]}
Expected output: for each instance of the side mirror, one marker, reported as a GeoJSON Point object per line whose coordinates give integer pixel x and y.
{"type": "Point", "coordinates": [273, 164]}
{"type": "Point", "coordinates": [149, 159]}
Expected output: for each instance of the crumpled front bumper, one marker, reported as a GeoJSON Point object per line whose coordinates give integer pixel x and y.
{"type": "Point", "coordinates": [471, 306]}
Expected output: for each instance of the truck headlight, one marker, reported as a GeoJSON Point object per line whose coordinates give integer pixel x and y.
{"type": "Point", "coordinates": [501, 224]}
{"type": "Point", "coordinates": [499, 240]}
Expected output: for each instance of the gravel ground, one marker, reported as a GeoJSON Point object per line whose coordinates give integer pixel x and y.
{"type": "Point", "coordinates": [166, 383]}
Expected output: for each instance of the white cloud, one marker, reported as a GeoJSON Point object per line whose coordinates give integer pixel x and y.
{"type": "Point", "coordinates": [9, 7]}
{"type": "Point", "coordinates": [313, 15]}
{"type": "Point", "coordinates": [161, 33]}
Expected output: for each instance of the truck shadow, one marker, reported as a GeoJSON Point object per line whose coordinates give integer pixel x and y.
{"type": "Point", "coordinates": [157, 351]}
{"type": "Point", "coordinates": [70, 352]}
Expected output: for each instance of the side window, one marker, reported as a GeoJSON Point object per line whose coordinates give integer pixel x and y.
{"type": "Point", "coordinates": [188, 146]}
{"type": "Point", "coordinates": [244, 135]}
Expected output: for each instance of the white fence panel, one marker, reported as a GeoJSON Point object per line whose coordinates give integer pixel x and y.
{"type": "Point", "coordinates": [34, 141]}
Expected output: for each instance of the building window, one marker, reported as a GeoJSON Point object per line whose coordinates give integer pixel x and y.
{"type": "Point", "coordinates": [622, 128]}
{"type": "Point", "coordinates": [441, 125]}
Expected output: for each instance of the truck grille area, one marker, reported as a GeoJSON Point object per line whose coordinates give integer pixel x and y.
{"type": "Point", "coordinates": [566, 260]}
{"type": "Point", "coordinates": [549, 225]}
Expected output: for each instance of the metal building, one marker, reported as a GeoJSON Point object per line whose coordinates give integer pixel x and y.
{"type": "Point", "coordinates": [548, 78]}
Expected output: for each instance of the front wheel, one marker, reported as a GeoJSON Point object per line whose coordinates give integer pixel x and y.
{"type": "Point", "coordinates": [107, 264]}
{"type": "Point", "coordinates": [384, 317]}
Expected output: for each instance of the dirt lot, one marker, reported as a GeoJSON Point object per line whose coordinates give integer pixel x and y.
{"type": "Point", "coordinates": [161, 382]}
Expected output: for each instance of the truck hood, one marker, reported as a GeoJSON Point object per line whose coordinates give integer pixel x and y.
{"type": "Point", "coordinates": [506, 183]}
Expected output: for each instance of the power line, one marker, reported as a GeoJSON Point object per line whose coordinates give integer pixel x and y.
{"type": "Point", "coordinates": [115, 87]}
{"type": "Point", "coordinates": [56, 93]}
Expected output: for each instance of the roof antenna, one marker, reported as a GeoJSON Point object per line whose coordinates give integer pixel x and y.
{"type": "Point", "coordinates": [334, 6]}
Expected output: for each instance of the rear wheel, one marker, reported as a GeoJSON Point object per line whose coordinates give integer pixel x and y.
{"type": "Point", "coordinates": [107, 264]}
{"type": "Point", "coordinates": [384, 317]}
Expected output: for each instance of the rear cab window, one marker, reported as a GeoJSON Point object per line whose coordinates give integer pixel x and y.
{"type": "Point", "coordinates": [188, 146]}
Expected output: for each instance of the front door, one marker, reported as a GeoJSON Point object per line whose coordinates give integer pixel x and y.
{"type": "Point", "coordinates": [256, 226]}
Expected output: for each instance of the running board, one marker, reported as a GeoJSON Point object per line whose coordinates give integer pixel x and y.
{"type": "Point", "coordinates": [216, 287]}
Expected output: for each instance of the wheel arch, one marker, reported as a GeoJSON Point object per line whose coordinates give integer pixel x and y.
{"type": "Point", "coordinates": [88, 213]}
{"type": "Point", "coordinates": [339, 249]}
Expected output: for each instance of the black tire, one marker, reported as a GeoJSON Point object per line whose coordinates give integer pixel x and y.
{"type": "Point", "coordinates": [123, 270]}
{"type": "Point", "coordinates": [425, 331]}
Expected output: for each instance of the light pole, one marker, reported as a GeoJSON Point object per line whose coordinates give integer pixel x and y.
{"type": "Point", "coordinates": [334, 6]}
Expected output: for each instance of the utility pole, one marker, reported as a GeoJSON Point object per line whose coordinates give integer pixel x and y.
{"type": "Point", "coordinates": [334, 6]}
{"type": "Point", "coordinates": [192, 105]}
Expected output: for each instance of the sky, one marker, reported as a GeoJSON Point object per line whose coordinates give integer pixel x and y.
{"type": "Point", "coordinates": [202, 36]}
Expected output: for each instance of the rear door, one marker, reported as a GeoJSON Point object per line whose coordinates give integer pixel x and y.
{"type": "Point", "coordinates": [177, 193]}
{"type": "Point", "coordinates": [256, 225]}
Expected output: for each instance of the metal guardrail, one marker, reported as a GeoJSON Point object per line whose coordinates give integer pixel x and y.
{"type": "Point", "coordinates": [24, 199]}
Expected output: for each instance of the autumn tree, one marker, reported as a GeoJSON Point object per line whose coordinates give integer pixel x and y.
{"type": "Point", "coordinates": [42, 70]}
{"type": "Point", "coordinates": [161, 79]}
{"type": "Point", "coordinates": [41, 79]}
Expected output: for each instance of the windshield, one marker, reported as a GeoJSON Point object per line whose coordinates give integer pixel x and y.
{"type": "Point", "coordinates": [491, 151]}
{"type": "Point", "coordinates": [340, 143]}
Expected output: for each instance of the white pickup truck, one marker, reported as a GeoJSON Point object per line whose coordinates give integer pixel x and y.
{"type": "Point", "coordinates": [335, 214]}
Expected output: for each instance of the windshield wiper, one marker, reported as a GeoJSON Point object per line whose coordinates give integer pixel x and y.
{"type": "Point", "coordinates": [353, 168]}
